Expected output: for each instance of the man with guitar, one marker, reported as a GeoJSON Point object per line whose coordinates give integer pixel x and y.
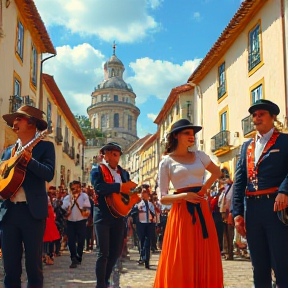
{"type": "Point", "coordinates": [109, 180]}
{"type": "Point", "coordinates": [23, 215]}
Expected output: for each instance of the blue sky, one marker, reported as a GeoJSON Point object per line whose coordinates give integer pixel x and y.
{"type": "Point", "coordinates": [160, 42]}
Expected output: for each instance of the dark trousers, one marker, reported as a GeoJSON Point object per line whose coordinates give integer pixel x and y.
{"type": "Point", "coordinates": [57, 246]}
{"type": "Point", "coordinates": [217, 217]}
{"type": "Point", "coordinates": [76, 234]}
{"type": "Point", "coordinates": [89, 237]}
{"type": "Point", "coordinates": [144, 231]}
{"type": "Point", "coordinates": [18, 228]}
{"type": "Point", "coordinates": [153, 237]}
{"type": "Point", "coordinates": [267, 239]}
{"type": "Point", "coordinates": [228, 234]}
{"type": "Point", "coordinates": [109, 237]}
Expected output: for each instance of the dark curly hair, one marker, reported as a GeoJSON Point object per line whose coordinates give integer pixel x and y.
{"type": "Point", "coordinates": [171, 144]}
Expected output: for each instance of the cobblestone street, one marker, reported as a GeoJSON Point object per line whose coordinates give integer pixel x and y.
{"type": "Point", "coordinates": [237, 273]}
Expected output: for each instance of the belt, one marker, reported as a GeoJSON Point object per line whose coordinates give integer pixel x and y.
{"type": "Point", "coordinates": [262, 192]}
{"type": "Point", "coordinates": [19, 202]}
{"type": "Point", "coordinates": [191, 209]}
{"type": "Point", "coordinates": [263, 196]}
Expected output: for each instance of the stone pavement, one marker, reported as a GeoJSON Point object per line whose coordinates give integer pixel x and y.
{"type": "Point", "coordinates": [237, 273]}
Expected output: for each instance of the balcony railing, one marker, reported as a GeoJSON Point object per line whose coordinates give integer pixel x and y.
{"type": "Point", "coordinates": [247, 125]}
{"type": "Point", "coordinates": [59, 137]}
{"type": "Point", "coordinates": [17, 101]}
{"type": "Point", "coordinates": [220, 141]}
{"type": "Point", "coordinates": [98, 141]}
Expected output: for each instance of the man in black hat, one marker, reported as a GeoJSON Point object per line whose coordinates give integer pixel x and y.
{"type": "Point", "coordinates": [25, 213]}
{"type": "Point", "coordinates": [261, 181]}
{"type": "Point", "coordinates": [107, 179]}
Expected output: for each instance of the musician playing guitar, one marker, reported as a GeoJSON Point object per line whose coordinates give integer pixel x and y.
{"type": "Point", "coordinates": [109, 228]}
{"type": "Point", "coordinates": [25, 213]}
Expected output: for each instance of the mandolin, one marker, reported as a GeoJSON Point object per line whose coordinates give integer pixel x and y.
{"type": "Point", "coordinates": [13, 170]}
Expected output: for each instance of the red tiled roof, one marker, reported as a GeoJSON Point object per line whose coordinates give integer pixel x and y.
{"type": "Point", "coordinates": [35, 24]}
{"type": "Point", "coordinates": [245, 13]}
{"type": "Point", "coordinates": [61, 103]}
{"type": "Point", "coordinates": [171, 100]}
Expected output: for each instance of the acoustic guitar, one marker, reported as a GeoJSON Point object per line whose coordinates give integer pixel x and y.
{"type": "Point", "coordinates": [13, 170]}
{"type": "Point", "coordinates": [120, 204]}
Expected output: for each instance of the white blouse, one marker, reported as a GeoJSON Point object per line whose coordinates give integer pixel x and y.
{"type": "Point", "coordinates": [182, 175]}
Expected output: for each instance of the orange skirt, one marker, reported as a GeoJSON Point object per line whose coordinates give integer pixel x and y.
{"type": "Point", "coordinates": [187, 259]}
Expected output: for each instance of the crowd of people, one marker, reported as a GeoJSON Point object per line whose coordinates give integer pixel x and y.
{"type": "Point", "coordinates": [202, 220]}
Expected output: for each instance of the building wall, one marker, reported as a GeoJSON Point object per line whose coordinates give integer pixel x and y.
{"type": "Point", "coordinates": [11, 66]}
{"type": "Point", "coordinates": [239, 82]}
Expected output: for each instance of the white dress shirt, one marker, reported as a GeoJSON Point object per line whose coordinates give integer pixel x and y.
{"type": "Point", "coordinates": [83, 201]}
{"type": "Point", "coordinates": [261, 142]}
{"type": "Point", "coordinates": [142, 211]}
{"type": "Point", "coordinates": [115, 174]}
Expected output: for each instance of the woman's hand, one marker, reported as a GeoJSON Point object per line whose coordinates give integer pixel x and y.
{"type": "Point", "coordinates": [192, 197]}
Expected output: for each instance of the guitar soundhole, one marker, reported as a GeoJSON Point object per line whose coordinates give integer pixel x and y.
{"type": "Point", "coordinates": [5, 172]}
{"type": "Point", "coordinates": [125, 199]}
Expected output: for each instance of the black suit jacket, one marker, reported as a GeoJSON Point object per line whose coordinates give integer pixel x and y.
{"type": "Point", "coordinates": [101, 212]}
{"type": "Point", "coordinates": [39, 170]}
{"type": "Point", "coordinates": [272, 172]}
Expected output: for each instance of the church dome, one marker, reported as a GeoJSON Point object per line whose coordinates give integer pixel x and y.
{"type": "Point", "coordinates": [115, 82]}
{"type": "Point", "coordinates": [113, 61]}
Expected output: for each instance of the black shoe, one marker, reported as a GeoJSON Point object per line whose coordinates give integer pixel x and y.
{"type": "Point", "coordinates": [141, 261]}
{"type": "Point", "coordinates": [79, 259]}
{"type": "Point", "coordinates": [74, 263]}
{"type": "Point", "coordinates": [147, 266]}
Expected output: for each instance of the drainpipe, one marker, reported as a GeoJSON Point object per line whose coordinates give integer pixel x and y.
{"type": "Point", "coordinates": [41, 88]}
{"type": "Point", "coordinates": [200, 95]}
{"type": "Point", "coordinates": [284, 53]}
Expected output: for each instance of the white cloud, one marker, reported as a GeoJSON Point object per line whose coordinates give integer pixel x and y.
{"type": "Point", "coordinates": [152, 116]}
{"type": "Point", "coordinates": [197, 16]}
{"type": "Point", "coordinates": [77, 70]}
{"type": "Point", "coordinates": [155, 77]}
{"type": "Point", "coordinates": [124, 21]}
{"type": "Point", "coordinates": [155, 3]}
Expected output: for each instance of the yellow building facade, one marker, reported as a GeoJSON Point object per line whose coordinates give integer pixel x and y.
{"type": "Point", "coordinates": [65, 133]}
{"type": "Point", "coordinates": [23, 40]}
{"type": "Point", "coordinates": [245, 64]}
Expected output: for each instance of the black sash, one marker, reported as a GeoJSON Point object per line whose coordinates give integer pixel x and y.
{"type": "Point", "coordinates": [191, 209]}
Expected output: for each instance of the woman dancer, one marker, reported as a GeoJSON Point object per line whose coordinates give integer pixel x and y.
{"type": "Point", "coordinates": [190, 256]}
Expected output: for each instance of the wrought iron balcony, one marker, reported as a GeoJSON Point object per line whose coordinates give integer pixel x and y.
{"type": "Point", "coordinates": [17, 101]}
{"type": "Point", "coordinates": [247, 125]}
{"type": "Point", "coordinates": [221, 141]}
{"type": "Point", "coordinates": [59, 137]}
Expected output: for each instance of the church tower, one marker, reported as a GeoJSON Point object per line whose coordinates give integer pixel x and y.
{"type": "Point", "coordinates": [112, 108]}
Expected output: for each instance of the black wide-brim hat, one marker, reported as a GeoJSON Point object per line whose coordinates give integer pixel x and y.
{"type": "Point", "coordinates": [263, 104]}
{"type": "Point", "coordinates": [111, 146]}
{"type": "Point", "coordinates": [29, 112]}
{"type": "Point", "coordinates": [184, 124]}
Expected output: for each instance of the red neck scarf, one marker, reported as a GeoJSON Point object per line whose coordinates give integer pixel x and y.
{"type": "Point", "coordinates": [252, 169]}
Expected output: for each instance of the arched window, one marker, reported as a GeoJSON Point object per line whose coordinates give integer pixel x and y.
{"type": "Point", "coordinates": [116, 120]}
{"type": "Point", "coordinates": [103, 121]}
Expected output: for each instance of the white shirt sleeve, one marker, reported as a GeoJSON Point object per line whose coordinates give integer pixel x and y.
{"type": "Point", "coordinates": [164, 177]}
{"type": "Point", "coordinates": [66, 202]}
{"type": "Point", "coordinates": [86, 202]}
{"type": "Point", "coordinates": [205, 159]}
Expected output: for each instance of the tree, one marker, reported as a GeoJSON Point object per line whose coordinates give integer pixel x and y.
{"type": "Point", "coordinates": [85, 126]}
